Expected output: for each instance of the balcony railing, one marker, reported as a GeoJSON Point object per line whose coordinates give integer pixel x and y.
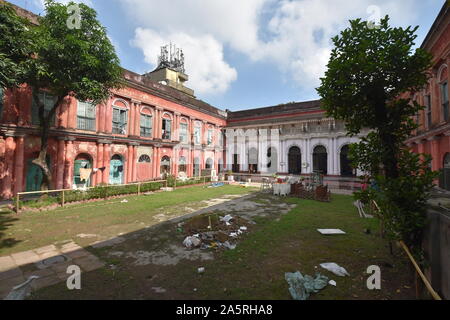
{"type": "Point", "coordinates": [84, 123]}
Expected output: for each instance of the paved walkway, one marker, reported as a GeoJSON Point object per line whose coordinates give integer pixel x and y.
{"type": "Point", "coordinates": [49, 263]}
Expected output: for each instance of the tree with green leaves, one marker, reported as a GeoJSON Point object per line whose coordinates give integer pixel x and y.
{"type": "Point", "coordinates": [15, 46]}
{"type": "Point", "coordinates": [71, 60]}
{"type": "Point", "coordinates": [370, 73]}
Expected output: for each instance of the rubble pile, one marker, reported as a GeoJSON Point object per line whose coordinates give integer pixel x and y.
{"type": "Point", "coordinates": [213, 231]}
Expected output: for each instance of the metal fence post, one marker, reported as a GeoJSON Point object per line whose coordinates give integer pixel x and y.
{"type": "Point", "coordinates": [17, 203]}
{"type": "Point", "coordinates": [63, 202]}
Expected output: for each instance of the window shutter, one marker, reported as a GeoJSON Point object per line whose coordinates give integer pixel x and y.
{"type": "Point", "coordinates": [116, 115]}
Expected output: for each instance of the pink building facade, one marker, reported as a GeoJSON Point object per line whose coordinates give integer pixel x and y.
{"type": "Point", "coordinates": [143, 131]}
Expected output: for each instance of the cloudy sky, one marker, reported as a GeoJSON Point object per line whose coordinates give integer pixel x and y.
{"type": "Point", "coordinates": [249, 53]}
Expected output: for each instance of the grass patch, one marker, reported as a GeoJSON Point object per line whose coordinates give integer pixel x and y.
{"type": "Point", "coordinates": [108, 218]}
{"type": "Point", "coordinates": [256, 268]}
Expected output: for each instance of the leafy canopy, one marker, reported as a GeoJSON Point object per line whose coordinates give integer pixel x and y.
{"type": "Point", "coordinates": [69, 61]}
{"type": "Point", "coordinates": [370, 76]}
{"type": "Point", "coordinates": [369, 68]}
{"type": "Point", "coordinates": [15, 46]}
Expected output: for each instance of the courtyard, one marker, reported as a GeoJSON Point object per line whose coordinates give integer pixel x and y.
{"type": "Point", "coordinates": [134, 249]}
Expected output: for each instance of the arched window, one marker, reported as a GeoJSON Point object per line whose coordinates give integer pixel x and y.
{"type": "Point", "coordinates": [197, 132]}
{"type": "Point", "coordinates": [443, 84]}
{"type": "Point", "coordinates": [146, 124]}
{"type": "Point", "coordinates": [183, 130]}
{"type": "Point", "coordinates": [320, 160]}
{"type": "Point", "coordinates": [166, 127]}
{"type": "Point", "coordinates": [119, 117]}
{"type": "Point", "coordinates": [444, 181]}
{"type": "Point", "coordinates": [144, 159]}
{"type": "Point", "coordinates": [295, 160]}
{"type": "Point", "coordinates": [346, 168]}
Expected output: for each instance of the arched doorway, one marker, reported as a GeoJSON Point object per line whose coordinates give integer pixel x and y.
{"type": "Point", "coordinates": [272, 160]}
{"type": "Point", "coordinates": [295, 160]}
{"type": "Point", "coordinates": [116, 170]}
{"type": "Point", "coordinates": [346, 167]}
{"type": "Point", "coordinates": [182, 165]}
{"type": "Point", "coordinates": [35, 174]}
{"type": "Point", "coordinates": [82, 171]}
{"type": "Point", "coordinates": [209, 164]}
{"type": "Point", "coordinates": [444, 181]}
{"type": "Point", "coordinates": [144, 167]}
{"type": "Point", "coordinates": [320, 160]}
{"type": "Point", "coordinates": [196, 167]}
{"type": "Point", "coordinates": [253, 160]}
{"type": "Point", "coordinates": [165, 167]}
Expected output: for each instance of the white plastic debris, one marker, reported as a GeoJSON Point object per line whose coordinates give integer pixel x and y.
{"type": "Point", "coordinates": [201, 270]}
{"type": "Point", "coordinates": [228, 245]}
{"type": "Point", "coordinates": [335, 268]}
{"type": "Point", "coordinates": [332, 282]}
{"type": "Point", "coordinates": [21, 291]}
{"type": "Point", "coordinates": [124, 201]}
{"type": "Point", "coordinates": [227, 218]}
{"type": "Point", "coordinates": [331, 231]}
{"type": "Point", "coordinates": [191, 242]}
{"type": "Point", "coordinates": [233, 234]}
{"type": "Point", "coordinates": [243, 228]}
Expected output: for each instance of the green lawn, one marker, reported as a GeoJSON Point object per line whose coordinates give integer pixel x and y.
{"type": "Point", "coordinates": [30, 230]}
{"type": "Point", "coordinates": [256, 268]}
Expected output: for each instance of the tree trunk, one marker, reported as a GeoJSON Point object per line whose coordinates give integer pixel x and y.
{"type": "Point", "coordinates": [45, 124]}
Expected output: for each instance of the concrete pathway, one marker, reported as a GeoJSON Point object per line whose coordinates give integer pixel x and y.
{"type": "Point", "coordinates": [49, 263]}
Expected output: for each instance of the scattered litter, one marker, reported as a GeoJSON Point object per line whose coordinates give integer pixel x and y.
{"type": "Point", "coordinates": [216, 185]}
{"type": "Point", "coordinates": [243, 228]}
{"type": "Point", "coordinates": [332, 282]}
{"type": "Point", "coordinates": [201, 270]}
{"type": "Point", "coordinates": [124, 201]}
{"type": "Point", "coordinates": [301, 286]}
{"type": "Point", "coordinates": [331, 231]}
{"type": "Point", "coordinates": [195, 289]}
{"type": "Point", "coordinates": [159, 289]}
{"type": "Point", "coordinates": [229, 246]}
{"type": "Point", "coordinates": [335, 268]}
{"type": "Point", "coordinates": [83, 235]}
{"type": "Point", "coordinates": [233, 234]}
{"type": "Point", "coordinates": [191, 242]}
{"type": "Point", "coordinates": [360, 206]}
{"type": "Point", "coordinates": [227, 218]}
{"type": "Point", "coordinates": [21, 291]}
{"type": "Point", "coordinates": [167, 189]}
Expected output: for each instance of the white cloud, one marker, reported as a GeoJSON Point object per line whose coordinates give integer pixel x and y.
{"type": "Point", "coordinates": [293, 34]}
{"type": "Point", "coordinates": [207, 70]}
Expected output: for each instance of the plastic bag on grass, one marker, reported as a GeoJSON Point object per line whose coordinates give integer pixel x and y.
{"type": "Point", "coordinates": [301, 286]}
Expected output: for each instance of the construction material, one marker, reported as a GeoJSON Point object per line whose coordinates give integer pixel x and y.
{"type": "Point", "coordinates": [422, 276]}
{"type": "Point", "coordinates": [301, 287]}
{"type": "Point", "coordinates": [331, 231]}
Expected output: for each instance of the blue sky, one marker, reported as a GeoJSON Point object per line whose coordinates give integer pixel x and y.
{"type": "Point", "coordinates": [245, 54]}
